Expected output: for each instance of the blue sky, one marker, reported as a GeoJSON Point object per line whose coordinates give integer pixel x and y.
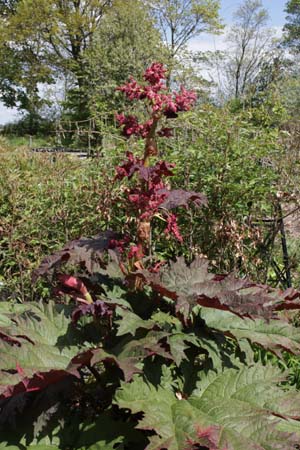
{"type": "Point", "coordinates": [277, 19]}
{"type": "Point", "coordinates": [274, 7]}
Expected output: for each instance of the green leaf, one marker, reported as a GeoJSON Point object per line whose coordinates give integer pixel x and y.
{"type": "Point", "coordinates": [131, 322]}
{"type": "Point", "coordinates": [178, 345]}
{"type": "Point", "coordinates": [6, 446]}
{"type": "Point", "coordinates": [166, 321]}
{"type": "Point", "coordinates": [44, 349]}
{"type": "Point", "coordinates": [141, 348]}
{"type": "Point", "coordinates": [234, 410]}
{"type": "Point", "coordinates": [274, 335]}
{"type": "Point", "coordinates": [8, 311]}
{"type": "Point", "coordinates": [102, 434]}
{"type": "Point", "coordinates": [156, 404]}
{"type": "Point", "coordinates": [105, 432]}
{"type": "Point", "coordinates": [47, 351]}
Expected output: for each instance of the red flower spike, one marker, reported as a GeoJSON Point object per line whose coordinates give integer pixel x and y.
{"type": "Point", "coordinates": [155, 73]}
{"type": "Point", "coordinates": [121, 118]}
{"type": "Point", "coordinates": [172, 227]}
{"type": "Point", "coordinates": [170, 109]}
{"type": "Point", "coordinates": [131, 89]}
{"type": "Point", "coordinates": [185, 99]}
{"type": "Point", "coordinates": [157, 266]}
{"type": "Point", "coordinates": [129, 167]}
{"type": "Point", "coordinates": [129, 123]}
{"type": "Point", "coordinates": [145, 128]}
{"type": "Point", "coordinates": [160, 102]}
{"type": "Point", "coordinates": [151, 193]}
{"type": "Point", "coordinates": [119, 244]}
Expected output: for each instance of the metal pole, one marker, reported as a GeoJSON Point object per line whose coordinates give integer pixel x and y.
{"type": "Point", "coordinates": [284, 245]}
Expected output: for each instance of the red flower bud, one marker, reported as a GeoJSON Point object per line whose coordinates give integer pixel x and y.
{"type": "Point", "coordinates": [74, 284]}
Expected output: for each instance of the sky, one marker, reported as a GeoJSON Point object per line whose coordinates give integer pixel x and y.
{"type": "Point", "coordinates": [274, 7]}
{"type": "Point", "coordinates": [204, 42]}
{"type": "Point", "coordinates": [211, 42]}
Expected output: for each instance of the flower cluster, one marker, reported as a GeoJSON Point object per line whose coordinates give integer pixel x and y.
{"type": "Point", "coordinates": [131, 126]}
{"type": "Point", "coordinates": [119, 244]}
{"type": "Point", "coordinates": [151, 195]}
{"type": "Point", "coordinates": [146, 202]}
{"type": "Point", "coordinates": [155, 73]}
{"type": "Point", "coordinates": [172, 227]}
{"type": "Point", "coordinates": [161, 102]}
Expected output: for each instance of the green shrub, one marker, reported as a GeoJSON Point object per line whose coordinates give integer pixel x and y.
{"type": "Point", "coordinates": [46, 200]}
{"type": "Point", "coordinates": [234, 164]}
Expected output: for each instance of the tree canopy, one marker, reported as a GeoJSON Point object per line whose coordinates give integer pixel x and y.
{"type": "Point", "coordinates": [181, 21]}
{"type": "Point", "coordinates": [292, 26]}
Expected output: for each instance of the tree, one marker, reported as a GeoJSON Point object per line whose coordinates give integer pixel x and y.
{"type": "Point", "coordinates": [288, 86]}
{"type": "Point", "coordinates": [21, 67]}
{"type": "Point", "coordinates": [292, 27]}
{"type": "Point", "coordinates": [181, 20]}
{"type": "Point", "coordinates": [251, 46]}
{"type": "Point", "coordinates": [49, 37]}
{"type": "Point", "coordinates": [126, 43]}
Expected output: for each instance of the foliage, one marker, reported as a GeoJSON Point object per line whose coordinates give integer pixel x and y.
{"type": "Point", "coordinates": [233, 161]}
{"type": "Point", "coordinates": [44, 40]}
{"type": "Point", "coordinates": [66, 194]}
{"type": "Point", "coordinates": [90, 47]}
{"type": "Point", "coordinates": [181, 21]}
{"type": "Point", "coordinates": [29, 124]}
{"type": "Point", "coordinates": [285, 74]}
{"type": "Point", "coordinates": [291, 28]}
{"type": "Point", "coordinates": [146, 355]}
{"type": "Point", "coordinates": [238, 177]}
{"type": "Point", "coordinates": [214, 415]}
{"type": "Point", "coordinates": [250, 46]}
{"type": "Point", "coordinates": [45, 201]}
{"type": "Point", "coordinates": [124, 45]}
{"type": "Point", "coordinates": [191, 382]}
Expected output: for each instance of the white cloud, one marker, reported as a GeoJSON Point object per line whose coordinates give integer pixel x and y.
{"type": "Point", "coordinates": [209, 42]}
{"type": "Point", "coordinates": [7, 114]}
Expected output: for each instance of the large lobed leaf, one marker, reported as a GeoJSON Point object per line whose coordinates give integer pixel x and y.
{"type": "Point", "coordinates": [84, 251]}
{"type": "Point", "coordinates": [41, 348]}
{"type": "Point", "coordinates": [194, 284]}
{"type": "Point", "coordinates": [234, 410]}
{"type": "Point", "coordinates": [105, 432]}
{"type": "Point", "coordinates": [274, 335]}
{"type": "Point", "coordinates": [36, 350]}
{"type": "Point", "coordinates": [179, 197]}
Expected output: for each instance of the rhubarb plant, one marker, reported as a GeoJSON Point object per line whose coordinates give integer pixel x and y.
{"type": "Point", "coordinates": [132, 352]}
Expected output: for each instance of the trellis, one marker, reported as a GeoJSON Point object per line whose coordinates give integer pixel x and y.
{"type": "Point", "coordinates": [77, 128]}
{"type": "Point", "coordinates": [276, 227]}
{"type": "Point", "coordinates": [85, 129]}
